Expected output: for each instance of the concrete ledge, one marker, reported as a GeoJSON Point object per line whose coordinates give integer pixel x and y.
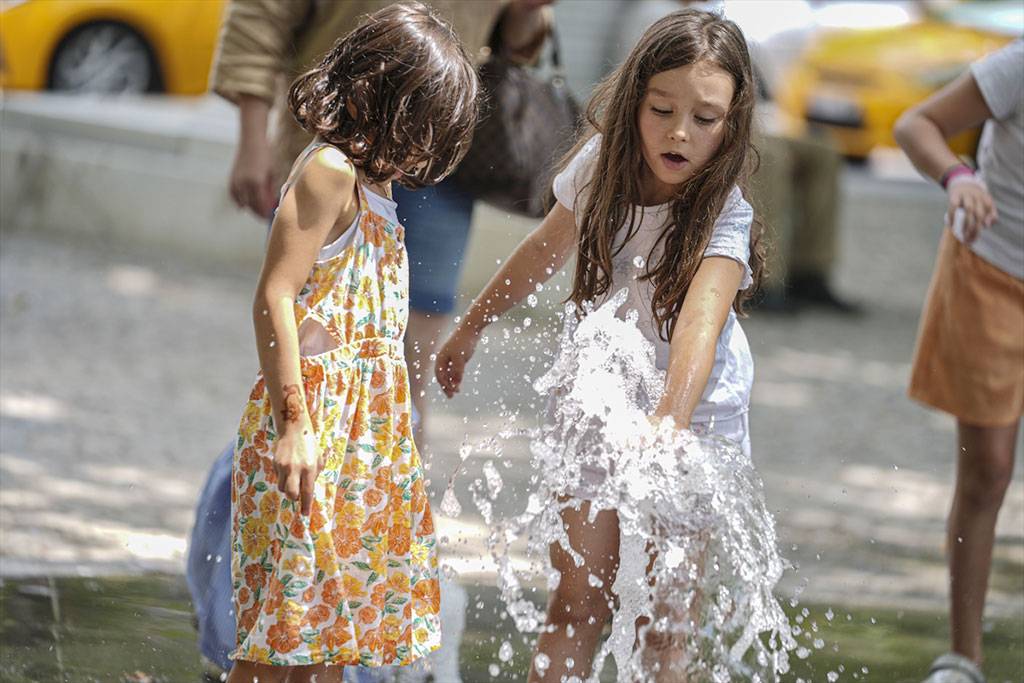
{"type": "Point", "coordinates": [146, 172]}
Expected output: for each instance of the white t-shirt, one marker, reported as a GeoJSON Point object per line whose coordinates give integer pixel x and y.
{"type": "Point", "coordinates": [1000, 77]}
{"type": "Point", "coordinates": [728, 390]}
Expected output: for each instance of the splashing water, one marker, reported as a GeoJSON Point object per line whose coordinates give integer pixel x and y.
{"type": "Point", "coordinates": [690, 506]}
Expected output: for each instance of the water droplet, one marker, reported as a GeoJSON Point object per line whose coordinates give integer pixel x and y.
{"type": "Point", "coordinates": [507, 281]}
{"type": "Point", "coordinates": [541, 662]}
{"type": "Point", "coordinates": [273, 344]}
{"type": "Point", "coordinates": [450, 504]}
{"type": "Point", "coordinates": [532, 300]}
{"type": "Point", "coordinates": [638, 261]}
{"type": "Point", "coordinates": [505, 651]}
{"type": "Point", "coordinates": [494, 670]}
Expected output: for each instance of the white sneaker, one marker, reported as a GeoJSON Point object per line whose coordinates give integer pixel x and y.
{"type": "Point", "coordinates": [954, 668]}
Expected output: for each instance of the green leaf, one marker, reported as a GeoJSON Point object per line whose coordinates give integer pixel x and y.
{"type": "Point", "coordinates": [362, 565]}
{"type": "Point", "coordinates": [261, 487]}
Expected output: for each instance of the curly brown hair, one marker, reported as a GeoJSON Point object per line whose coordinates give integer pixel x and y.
{"type": "Point", "coordinates": [397, 95]}
{"type": "Point", "coordinates": [679, 39]}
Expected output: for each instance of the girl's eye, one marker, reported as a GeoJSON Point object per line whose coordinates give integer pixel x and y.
{"type": "Point", "coordinates": [703, 121]}
{"type": "Point", "coordinates": [661, 112]}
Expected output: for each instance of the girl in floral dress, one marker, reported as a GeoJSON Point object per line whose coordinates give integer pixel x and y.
{"type": "Point", "coordinates": [334, 559]}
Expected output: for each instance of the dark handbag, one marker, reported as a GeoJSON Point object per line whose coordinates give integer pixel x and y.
{"type": "Point", "coordinates": [528, 124]}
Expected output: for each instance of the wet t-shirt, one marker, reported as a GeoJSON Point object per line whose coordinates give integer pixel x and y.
{"type": "Point", "coordinates": [728, 389]}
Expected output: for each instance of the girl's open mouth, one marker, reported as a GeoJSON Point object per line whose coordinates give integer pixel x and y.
{"type": "Point", "coordinates": [673, 161]}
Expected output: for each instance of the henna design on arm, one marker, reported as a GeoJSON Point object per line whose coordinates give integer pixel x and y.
{"type": "Point", "coordinates": [293, 406]}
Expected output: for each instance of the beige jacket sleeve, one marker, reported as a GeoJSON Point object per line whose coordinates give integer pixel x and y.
{"type": "Point", "coordinates": [256, 46]}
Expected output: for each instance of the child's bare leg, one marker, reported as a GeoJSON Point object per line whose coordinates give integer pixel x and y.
{"type": "Point", "coordinates": [315, 673]}
{"type": "Point", "coordinates": [984, 469]}
{"type": "Point", "coordinates": [577, 611]}
{"type": "Point", "coordinates": [251, 672]}
{"type": "Point", "coordinates": [668, 650]}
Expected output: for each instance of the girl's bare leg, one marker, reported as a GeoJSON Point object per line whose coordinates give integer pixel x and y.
{"type": "Point", "coordinates": [668, 650]}
{"type": "Point", "coordinates": [316, 673]}
{"type": "Point", "coordinates": [251, 672]}
{"type": "Point", "coordinates": [984, 470]}
{"type": "Point", "coordinates": [577, 611]}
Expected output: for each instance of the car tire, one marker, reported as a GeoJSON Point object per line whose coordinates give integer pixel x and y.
{"type": "Point", "coordinates": [104, 57]}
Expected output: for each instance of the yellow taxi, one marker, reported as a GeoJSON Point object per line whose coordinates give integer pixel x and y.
{"type": "Point", "coordinates": [852, 85]}
{"type": "Point", "coordinates": [109, 46]}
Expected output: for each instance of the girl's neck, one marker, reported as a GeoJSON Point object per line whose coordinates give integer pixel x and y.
{"type": "Point", "coordinates": [653, 192]}
{"type": "Point", "coordinates": [383, 189]}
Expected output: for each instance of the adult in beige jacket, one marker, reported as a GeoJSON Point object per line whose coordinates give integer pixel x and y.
{"type": "Point", "coordinates": [265, 44]}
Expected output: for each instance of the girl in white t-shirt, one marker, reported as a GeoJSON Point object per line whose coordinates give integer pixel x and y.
{"type": "Point", "coordinates": [969, 359]}
{"type": "Point", "coordinates": [657, 177]}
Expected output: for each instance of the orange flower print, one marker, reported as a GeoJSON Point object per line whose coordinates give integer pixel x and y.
{"type": "Point", "coordinates": [317, 615]}
{"type": "Point", "coordinates": [347, 542]}
{"type": "Point", "coordinates": [298, 527]}
{"type": "Point", "coordinates": [249, 460]}
{"type": "Point", "coordinates": [426, 527]}
{"type": "Point", "coordinates": [381, 404]}
{"type": "Point", "coordinates": [400, 538]}
{"type": "Point", "coordinates": [255, 576]}
{"type": "Point", "coordinates": [382, 479]}
{"type": "Point", "coordinates": [427, 596]}
{"type": "Point", "coordinates": [308, 595]}
{"type": "Point", "coordinates": [284, 637]}
{"type": "Point", "coordinates": [275, 596]}
{"type": "Point", "coordinates": [337, 634]}
{"type": "Point", "coordinates": [377, 523]}
{"type": "Point", "coordinates": [248, 618]}
{"type": "Point", "coordinates": [373, 497]}
{"type": "Point", "coordinates": [330, 593]}
{"type": "Point", "coordinates": [379, 594]}
{"type": "Point", "coordinates": [246, 505]}
{"type": "Point", "coordinates": [243, 595]}
{"type": "Point", "coordinates": [378, 378]}
{"type": "Point", "coordinates": [367, 615]}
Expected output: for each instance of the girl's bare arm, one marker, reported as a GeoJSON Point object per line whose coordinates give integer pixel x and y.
{"type": "Point", "coordinates": [692, 350]}
{"type": "Point", "coordinates": [536, 259]}
{"type": "Point", "coordinates": [323, 193]}
{"type": "Point", "coordinates": [922, 132]}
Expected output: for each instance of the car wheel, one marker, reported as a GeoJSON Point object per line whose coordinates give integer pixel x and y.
{"type": "Point", "coordinates": [104, 58]}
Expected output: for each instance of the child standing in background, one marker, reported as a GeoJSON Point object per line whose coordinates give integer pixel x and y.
{"type": "Point", "coordinates": [655, 184]}
{"type": "Point", "coordinates": [969, 360]}
{"type": "Point", "coordinates": [334, 559]}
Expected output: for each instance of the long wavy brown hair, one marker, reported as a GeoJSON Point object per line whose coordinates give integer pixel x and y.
{"type": "Point", "coordinates": [397, 94]}
{"type": "Point", "coordinates": [679, 39]}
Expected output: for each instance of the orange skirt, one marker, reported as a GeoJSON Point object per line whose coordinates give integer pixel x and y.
{"type": "Point", "coordinates": [969, 359]}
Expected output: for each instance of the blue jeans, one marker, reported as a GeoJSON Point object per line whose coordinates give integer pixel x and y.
{"type": "Point", "coordinates": [436, 221]}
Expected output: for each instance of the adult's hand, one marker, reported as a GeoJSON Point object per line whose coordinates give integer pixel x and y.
{"type": "Point", "coordinates": [251, 184]}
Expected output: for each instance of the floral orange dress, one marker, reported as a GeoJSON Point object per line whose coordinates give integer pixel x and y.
{"type": "Point", "coordinates": [356, 581]}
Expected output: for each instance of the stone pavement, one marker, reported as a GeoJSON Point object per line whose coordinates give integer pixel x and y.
{"type": "Point", "coordinates": [124, 370]}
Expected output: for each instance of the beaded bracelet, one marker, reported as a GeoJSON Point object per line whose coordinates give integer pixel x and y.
{"type": "Point", "coordinates": [954, 171]}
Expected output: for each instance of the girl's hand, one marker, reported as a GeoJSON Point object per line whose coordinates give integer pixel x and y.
{"type": "Point", "coordinates": [298, 463]}
{"type": "Point", "coordinates": [452, 358]}
{"type": "Point", "coordinates": [967, 192]}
